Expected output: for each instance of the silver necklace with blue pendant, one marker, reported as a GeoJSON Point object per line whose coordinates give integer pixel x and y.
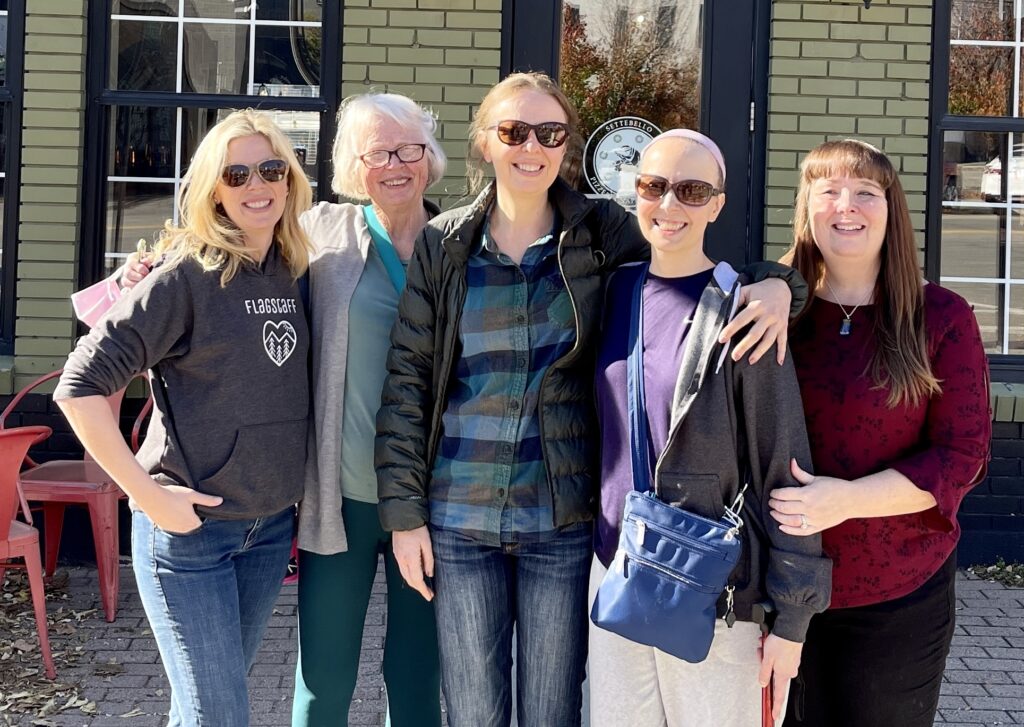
{"type": "Point", "coordinates": [847, 325]}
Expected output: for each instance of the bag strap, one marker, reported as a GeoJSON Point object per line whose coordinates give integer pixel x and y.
{"type": "Point", "coordinates": [382, 241]}
{"type": "Point", "coordinates": [638, 432]}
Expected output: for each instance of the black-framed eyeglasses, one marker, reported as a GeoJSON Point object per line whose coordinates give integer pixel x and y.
{"type": "Point", "coordinates": [407, 153]}
{"type": "Point", "coordinates": [691, 192]}
{"type": "Point", "coordinates": [271, 170]}
{"type": "Point", "coordinates": [551, 134]}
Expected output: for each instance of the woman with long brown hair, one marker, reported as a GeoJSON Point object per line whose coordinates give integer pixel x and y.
{"type": "Point", "coordinates": [894, 382]}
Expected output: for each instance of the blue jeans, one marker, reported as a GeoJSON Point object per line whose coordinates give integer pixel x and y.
{"type": "Point", "coordinates": [208, 596]}
{"type": "Point", "coordinates": [481, 592]}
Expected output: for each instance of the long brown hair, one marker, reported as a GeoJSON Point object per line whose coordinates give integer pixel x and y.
{"type": "Point", "coordinates": [900, 361]}
{"type": "Point", "coordinates": [506, 88]}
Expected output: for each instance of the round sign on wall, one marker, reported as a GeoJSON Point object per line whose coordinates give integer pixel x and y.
{"type": "Point", "coordinates": [612, 154]}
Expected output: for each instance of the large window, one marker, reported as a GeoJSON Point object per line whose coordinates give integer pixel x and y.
{"type": "Point", "coordinates": [977, 164]}
{"type": "Point", "coordinates": [12, 34]}
{"type": "Point", "coordinates": [171, 69]}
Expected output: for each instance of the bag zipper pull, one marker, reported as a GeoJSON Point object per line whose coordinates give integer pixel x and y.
{"type": "Point", "coordinates": [641, 531]}
{"type": "Point", "coordinates": [730, 615]}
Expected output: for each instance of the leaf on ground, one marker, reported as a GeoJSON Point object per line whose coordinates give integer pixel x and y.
{"type": "Point", "coordinates": [134, 713]}
{"type": "Point", "coordinates": [22, 645]}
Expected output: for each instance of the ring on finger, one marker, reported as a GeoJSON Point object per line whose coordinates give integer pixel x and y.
{"type": "Point", "coordinates": [803, 522]}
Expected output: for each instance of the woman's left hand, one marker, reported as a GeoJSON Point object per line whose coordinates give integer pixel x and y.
{"type": "Point", "coordinates": [766, 305]}
{"type": "Point", "coordinates": [820, 504]}
{"type": "Point", "coordinates": [780, 660]}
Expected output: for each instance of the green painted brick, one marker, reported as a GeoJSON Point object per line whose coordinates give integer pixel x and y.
{"type": "Point", "coordinates": [49, 193]}
{"type": "Point", "coordinates": [781, 11]}
{"type": "Point", "coordinates": [779, 215]}
{"type": "Point", "coordinates": [856, 106]}
{"type": "Point", "coordinates": [43, 327]}
{"type": "Point", "coordinates": [53, 100]}
{"type": "Point", "coordinates": [446, 4]}
{"type": "Point", "coordinates": [911, 71]}
{"type": "Point", "coordinates": [355, 36]}
{"type": "Point", "coordinates": [487, 39]}
{"type": "Point", "coordinates": [916, 127]}
{"type": "Point", "coordinates": [910, 33]}
{"type": "Point", "coordinates": [838, 13]}
{"type": "Point", "coordinates": [481, 21]}
{"type": "Point", "coordinates": [485, 76]}
{"type": "Point", "coordinates": [359, 16]}
{"type": "Point", "coordinates": [885, 89]}
{"type": "Point", "coordinates": [349, 87]}
{"type": "Point", "coordinates": [780, 235]}
{"type": "Point", "coordinates": [828, 124]}
{"type": "Point", "coordinates": [391, 74]}
{"type": "Point", "coordinates": [455, 130]}
{"type": "Point", "coordinates": [856, 69]}
{"type": "Point", "coordinates": [45, 289]}
{"type": "Point", "coordinates": [464, 94]}
{"type": "Point", "coordinates": [472, 57]}
{"type": "Point", "coordinates": [392, 36]}
{"type": "Point", "coordinates": [42, 62]}
{"type": "Point", "coordinates": [415, 19]}
{"type": "Point", "coordinates": [919, 16]}
{"type": "Point", "coordinates": [782, 159]}
{"type": "Point", "coordinates": [827, 49]}
{"type": "Point", "coordinates": [366, 54]}
{"type": "Point", "coordinates": [29, 368]}
{"type": "Point", "coordinates": [880, 126]}
{"type": "Point", "coordinates": [882, 51]}
{"type": "Point", "coordinates": [55, 7]}
{"type": "Point", "coordinates": [357, 3]}
{"type": "Point", "coordinates": [494, 5]}
{"type": "Point", "coordinates": [856, 31]}
{"type": "Point", "coordinates": [416, 56]}
{"type": "Point", "coordinates": [886, 15]}
{"type": "Point", "coordinates": [446, 38]}
{"type": "Point", "coordinates": [778, 197]}
{"type": "Point", "coordinates": [48, 81]}
{"type": "Point", "coordinates": [798, 67]}
{"type": "Point", "coordinates": [48, 252]}
{"type": "Point", "coordinates": [794, 142]}
{"type": "Point", "coordinates": [52, 119]}
{"type": "Point", "coordinates": [782, 85]}
{"type": "Point", "coordinates": [47, 270]}
{"type": "Point", "coordinates": [906, 108]}
{"type": "Point", "coordinates": [421, 92]}
{"type": "Point", "coordinates": [38, 43]}
{"type": "Point", "coordinates": [44, 346]}
{"type": "Point", "coordinates": [54, 213]}
{"type": "Point", "coordinates": [50, 25]}
{"type": "Point", "coordinates": [914, 182]}
{"type": "Point", "coordinates": [48, 232]}
{"type": "Point", "coordinates": [394, 3]}
{"type": "Point", "coordinates": [919, 53]}
{"type": "Point", "coordinates": [46, 175]}
{"type": "Point", "coordinates": [33, 136]}
{"type": "Point", "coordinates": [828, 87]}
{"type": "Point", "coordinates": [354, 72]}
{"type": "Point", "coordinates": [916, 90]}
{"type": "Point", "coordinates": [917, 165]}
{"type": "Point", "coordinates": [782, 122]}
{"type": "Point", "coordinates": [51, 157]}
{"type": "Point", "coordinates": [785, 49]}
{"type": "Point", "coordinates": [451, 112]}
{"type": "Point", "coordinates": [790, 29]}
{"type": "Point", "coordinates": [443, 74]}
{"type": "Point", "coordinates": [797, 104]}
{"type": "Point", "coordinates": [905, 145]}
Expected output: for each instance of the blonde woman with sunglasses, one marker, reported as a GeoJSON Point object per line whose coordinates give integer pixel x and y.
{"type": "Point", "coordinates": [486, 437]}
{"type": "Point", "coordinates": [222, 327]}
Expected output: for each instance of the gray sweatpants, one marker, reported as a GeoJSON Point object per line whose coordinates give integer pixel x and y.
{"type": "Point", "coordinates": [636, 685]}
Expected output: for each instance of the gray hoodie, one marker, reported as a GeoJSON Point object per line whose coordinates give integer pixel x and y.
{"type": "Point", "coordinates": [229, 371]}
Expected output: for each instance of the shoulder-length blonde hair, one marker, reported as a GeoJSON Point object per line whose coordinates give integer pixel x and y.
{"type": "Point", "coordinates": [205, 233]}
{"type": "Point", "coordinates": [504, 89]}
{"type": "Point", "coordinates": [900, 362]}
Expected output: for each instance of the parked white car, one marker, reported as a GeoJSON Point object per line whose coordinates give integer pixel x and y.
{"type": "Point", "coordinates": [992, 177]}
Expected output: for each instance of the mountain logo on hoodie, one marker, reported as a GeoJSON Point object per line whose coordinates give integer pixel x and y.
{"type": "Point", "coordinates": [279, 340]}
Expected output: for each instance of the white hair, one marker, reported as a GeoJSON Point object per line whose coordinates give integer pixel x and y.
{"type": "Point", "coordinates": [355, 117]}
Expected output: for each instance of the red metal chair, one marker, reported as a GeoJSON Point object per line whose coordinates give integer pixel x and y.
{"type": "Point", "coordinates": [61, 482]}
{"type": "Point", "coordinates": [21, 540]}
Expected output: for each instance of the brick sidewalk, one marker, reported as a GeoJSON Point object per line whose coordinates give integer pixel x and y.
{"type": "Point", "coordinates": [984, 679]}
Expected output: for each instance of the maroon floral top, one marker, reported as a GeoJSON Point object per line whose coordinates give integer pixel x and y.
{"type": "Point", "coordinates": [941, 445]}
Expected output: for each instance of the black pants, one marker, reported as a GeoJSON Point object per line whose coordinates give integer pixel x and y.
{"type": "Point", "coordinates": [879, 665]}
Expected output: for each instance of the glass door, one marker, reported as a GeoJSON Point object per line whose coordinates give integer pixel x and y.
{"type": "Point", "coordinates": [634, 68]}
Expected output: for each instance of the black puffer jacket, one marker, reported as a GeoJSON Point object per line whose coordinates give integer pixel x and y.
{"type": "Point", "coordinates": [597, 236]}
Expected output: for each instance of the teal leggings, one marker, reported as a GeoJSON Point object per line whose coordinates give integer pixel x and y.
{"type": "Point", "coordinates": [334, 591]}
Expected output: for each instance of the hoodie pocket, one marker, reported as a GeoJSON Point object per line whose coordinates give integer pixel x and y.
{"type": "Point", "coordinates": [271, 454]}
{"type": "Point", "coordinates": [697, 493]}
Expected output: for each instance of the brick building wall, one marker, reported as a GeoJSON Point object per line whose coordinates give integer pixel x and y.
{"type": "Point", "coordinates": [445, 54]}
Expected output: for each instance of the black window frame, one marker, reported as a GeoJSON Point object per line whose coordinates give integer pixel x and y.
{"type": "Point", "coordinates": [1003, 367]}
{"type": "Point", "coordinates": [11, 94]}
{"type": "Point", "coordinates": [101, 102]}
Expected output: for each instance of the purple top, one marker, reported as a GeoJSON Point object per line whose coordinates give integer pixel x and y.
{"type": "Point", "coordinates": [668, 304]}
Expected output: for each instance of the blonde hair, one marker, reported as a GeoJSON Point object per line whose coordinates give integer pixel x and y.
{"type": "Point", "coordinates": [205, 233]}
{"type": "Point", "coordinates": [505, 89]}
{"type": "Point", "coordinates": [900, 362]}
{"type": "Point", "coordinates": [356, 115]}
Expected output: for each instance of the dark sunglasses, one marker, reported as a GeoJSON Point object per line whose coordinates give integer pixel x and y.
{"type": "Point", "coordinates": [407, 153]}
{"type": "Point", "coordinates": [691, 192]}
{"type": "Point", "coordinates": [272, 170]}
{"type": "Point", "coordinates": [551, 134]}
